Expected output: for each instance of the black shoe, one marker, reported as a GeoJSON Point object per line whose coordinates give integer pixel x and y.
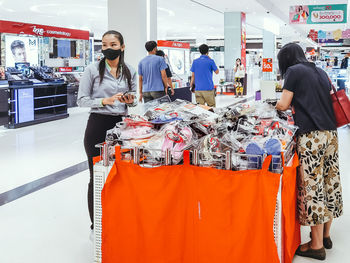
{"type": "Point", "coordinates": [319, 254]}
{"type": "Point", "coordinates": [327, 242]}
{"type": "Point", "coordinates": [92, 227]}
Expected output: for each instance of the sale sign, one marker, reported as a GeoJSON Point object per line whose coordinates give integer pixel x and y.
{"type": "Point", "coordinates": [267, 65]}
{"type": "Point", "coordinates": [318, 14]}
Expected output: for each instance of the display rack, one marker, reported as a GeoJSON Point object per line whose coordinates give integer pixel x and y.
{"type": "Point", "coordinates": [138, 155]}
{"type": "Point", "coordinates": [32, 104]}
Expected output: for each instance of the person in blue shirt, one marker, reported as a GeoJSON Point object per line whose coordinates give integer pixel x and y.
{"type": "Point", "coordinates": [152, 75]}
{"type": "Point", "coordinates": [202, 76]}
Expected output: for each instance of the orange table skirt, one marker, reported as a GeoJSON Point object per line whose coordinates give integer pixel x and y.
{"type": "Point", "coordinates": [185, 213]}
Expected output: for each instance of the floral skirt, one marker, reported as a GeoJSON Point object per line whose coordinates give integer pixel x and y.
{"type": "Point", "coordinates": [319, 188]}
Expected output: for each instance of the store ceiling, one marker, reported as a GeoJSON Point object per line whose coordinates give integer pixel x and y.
{"type": "Point", "coordinates": [195, 19]}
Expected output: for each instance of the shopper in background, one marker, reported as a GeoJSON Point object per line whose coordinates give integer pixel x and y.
{"type": "Point", "coordinates": [160, 53]}
{"type": "Point", "coordinates": [152, 75]}
{"type": "Point", "coordinates": [335, 64]}
{"type": "Point", "coordinates": [239, 76]}
{"type": "Point", "coordinates": [307, 88]}
{"type": "Point", "coordinates": [202, 76]}
{"type": "Point", "coordinates": [103, 88]}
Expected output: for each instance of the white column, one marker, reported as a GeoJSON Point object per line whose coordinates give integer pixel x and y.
{"type": "Point", "coordinates": [269, 45]}
{"type": "Point", "coordinates": [232, 31]}
{"type": "Point", "coordinates": [269, 51]}
{"type": "Point", "coordinates": [136, 20]}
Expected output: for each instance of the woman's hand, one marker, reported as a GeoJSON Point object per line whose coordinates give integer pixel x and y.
{"type": "Point", "coordinates": [108, 101]}
{"type": "Point", "coordinates": [127, 98]}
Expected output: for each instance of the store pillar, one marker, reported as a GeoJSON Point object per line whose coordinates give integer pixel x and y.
{"type": "Point", "coordinates": [269, 52]}
{"type": "Point", "coordinates": [235, 39]}
{"type": "Point", "coordinates": [136, 20]}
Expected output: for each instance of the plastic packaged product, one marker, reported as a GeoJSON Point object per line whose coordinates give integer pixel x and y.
{"type": "Point", "coordinates": [273, 146]}
{"type": "Point", "coordinates": [176, 138]}
{"type": "Point", "coordinates": [254, 147]}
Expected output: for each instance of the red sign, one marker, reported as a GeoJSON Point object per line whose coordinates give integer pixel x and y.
{"type": "Point", "coordinates": [65, 69]}
{"type": "Point", "coordinates": [243, 39]}
{"type": "Point", "coordinates": [173, 44]}
{"type": "Point", "coordinates": [41, 30]}
{"type": "Point", "coordinates": [313, 34]}
{"type": "Point", "coordinates": [267, 65]}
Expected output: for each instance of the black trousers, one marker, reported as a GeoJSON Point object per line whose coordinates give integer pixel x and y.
{"type": "Point", "coordinates": [95, 133]}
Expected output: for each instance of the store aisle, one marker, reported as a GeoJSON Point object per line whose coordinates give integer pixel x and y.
{"type": "Point", "coordinates": [32, 152]}
{"type": "Point", "coordinates": [51, 225]}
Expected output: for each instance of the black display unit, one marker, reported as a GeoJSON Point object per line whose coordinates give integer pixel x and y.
{"type": "Point", "coordinates": [38, 103]}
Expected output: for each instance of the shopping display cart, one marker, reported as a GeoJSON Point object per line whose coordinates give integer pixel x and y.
{"type": "Point", "coordinates": [145, 158]}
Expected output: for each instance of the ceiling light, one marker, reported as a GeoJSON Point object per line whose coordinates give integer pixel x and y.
{"type": "Point", "coordinates": [170, 12]}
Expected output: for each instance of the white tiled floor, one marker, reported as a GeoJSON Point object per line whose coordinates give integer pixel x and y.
{"type": "Point", "coordinates": [52, 225]}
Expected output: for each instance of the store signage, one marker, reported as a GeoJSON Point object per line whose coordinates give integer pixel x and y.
{"type": "Point", "coordinates": [336, 34]}
{"type": "Point", "coordinates": [243, 39]}
{"type": "Point", "coordinates": [318, 14]}
{"type": "Point", "coordinates": [41, 30]}
{"type": "Point", "coordinates": [173, 44]}
{"type": "Point", "coordinates": [65, 69]}
{"type": "Point", "coordinates": [313, 34]}
{"type": "Point", "coordinates": [267, 65]}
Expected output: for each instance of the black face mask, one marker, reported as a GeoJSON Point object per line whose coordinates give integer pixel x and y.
{"type": "Point", "coordinates": [111, 54]}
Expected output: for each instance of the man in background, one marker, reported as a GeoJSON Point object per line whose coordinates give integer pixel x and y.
{"type": "Point", "coordinates": [202, 76]}
{"type": "Point", "coordinates": [152, 75]}
{"type": "Point", "coordinates": [19, 51]}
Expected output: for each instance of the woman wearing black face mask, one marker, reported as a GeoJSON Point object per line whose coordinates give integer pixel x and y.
{"type": "Point", "coordinates": [102, 88]}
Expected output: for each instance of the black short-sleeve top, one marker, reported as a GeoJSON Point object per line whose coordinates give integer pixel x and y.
{"type": "Point", "coordinates": [313, 110]}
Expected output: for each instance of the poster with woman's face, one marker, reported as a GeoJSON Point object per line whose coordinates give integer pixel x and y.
{"type": "Point", "coordinates": [21, 49]}
{"type": "Point", "coordinates": [298, 14]}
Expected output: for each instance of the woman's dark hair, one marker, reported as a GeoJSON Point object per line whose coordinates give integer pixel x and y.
{"type": "Point", "coordinates": [150, 45]}
{"type": "Point", "coordinates": [203, 49]}
{"type": "Point", "coordinates": [121, 65]}
{"type": "Point", "coordinates": [160, 53]}
{"type": "Point", "coordinates": [290, 54]}
{"type": "Point", "coordinates": [240, 61]}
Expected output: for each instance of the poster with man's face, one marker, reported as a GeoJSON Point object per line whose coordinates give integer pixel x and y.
{"type": "Point", "coordinates": [21, 49]}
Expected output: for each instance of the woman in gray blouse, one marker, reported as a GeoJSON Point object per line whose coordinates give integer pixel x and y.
{"type": "Point", "coordinates": [102, 88]}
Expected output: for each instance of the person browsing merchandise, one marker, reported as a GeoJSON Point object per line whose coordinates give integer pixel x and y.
{"type": "Point", "coordinates": [307, 88]}
{"type": "Point", "coordinates": [107, 87]}
{"type": "Point", "coordinates": [169, 75]}
{"type": "Point", "coordinates": [152, 75]}
{"type": "Point", "coordinates": [202, 76]}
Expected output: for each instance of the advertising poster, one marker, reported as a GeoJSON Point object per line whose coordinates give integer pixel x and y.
{"type": "Point", "coordinates": [177, 61]}
{"type": "Point", "coordinates": [318, 14]}
{"type": "Point", "coordinates": [21, 49]}
{"type": "Point", "coordinates": [25, 105]}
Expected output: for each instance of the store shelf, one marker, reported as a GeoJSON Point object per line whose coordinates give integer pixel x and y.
{"type": "Point", "coordinates": [49, 107]}
{"type": "Point", "coordinates": [52, 96]}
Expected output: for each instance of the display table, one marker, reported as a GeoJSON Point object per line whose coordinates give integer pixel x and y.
{"type": "Point", "coordinates": [186, 213]}
{"type": "Point", "coordinates": [32, 104]}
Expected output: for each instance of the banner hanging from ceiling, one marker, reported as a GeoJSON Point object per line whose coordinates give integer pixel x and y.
{"type": "Point", "coordinates": [318, 14]}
